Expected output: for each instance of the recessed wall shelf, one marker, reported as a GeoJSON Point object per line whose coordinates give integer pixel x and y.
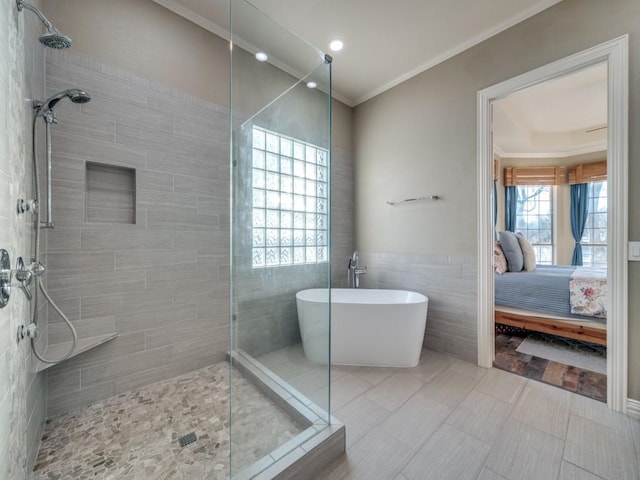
{"type": "Point", "coordinates": [110, 194]}
{"type": "Point", "coordinates": [56, 350]}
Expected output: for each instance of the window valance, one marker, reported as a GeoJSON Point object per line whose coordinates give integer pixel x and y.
{"type": "Point", "coordinates": [534, 176]}
{"type": "Point", "coordinates": [588, 172]}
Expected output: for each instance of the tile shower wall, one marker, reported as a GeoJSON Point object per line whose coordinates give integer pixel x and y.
{"type": "Point", "coordinates": [450, 284]}
{"type": "Point", "coordinates": [161, 282]}
{"type": "Point", "coordinates": [22, 391]}
{"type": "Point", "coordinates": [342, 215]}
{"type": "Point", "coordinates": [267, 317]}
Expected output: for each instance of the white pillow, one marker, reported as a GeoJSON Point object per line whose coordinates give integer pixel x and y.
{"type": "Point", "coordinates": [528, 253]}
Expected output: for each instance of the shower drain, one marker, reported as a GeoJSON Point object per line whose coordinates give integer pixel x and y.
{"type": "Point", "coordinates": [187, 439]}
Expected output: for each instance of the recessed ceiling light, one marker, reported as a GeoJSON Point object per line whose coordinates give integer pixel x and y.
{"type": "Point", "coordinates": [312, 84]}
{"type": "Point", "coordinates": [336, 45]}
{"type": "Point", "coordinates": [261, 57]}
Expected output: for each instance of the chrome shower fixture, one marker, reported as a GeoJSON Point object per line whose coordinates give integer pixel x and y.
{"type": "Point", "coordinates": [73, 94]}
{"type": "Point", "coordinates": [52, 38]}
{"type": "Point", "coordinates": [45, 109]}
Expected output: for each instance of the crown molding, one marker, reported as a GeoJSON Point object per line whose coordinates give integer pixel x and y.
{"type": "Point", "coordinates": [223, 33]}
{"type": "Point", "coordinates": [510, 22]}
{"type": "Point", "coordinates": [595, 147]}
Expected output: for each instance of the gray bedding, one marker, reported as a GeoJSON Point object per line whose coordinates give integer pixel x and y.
{"type": "Point", "coordinates": [545, 290]}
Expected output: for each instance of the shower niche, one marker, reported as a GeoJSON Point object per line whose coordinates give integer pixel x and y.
{"type": "Point", "coordinates": [110, 194]}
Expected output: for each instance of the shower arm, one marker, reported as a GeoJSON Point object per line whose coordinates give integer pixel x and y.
{"type": "Point", "coordinates": [33, 9]}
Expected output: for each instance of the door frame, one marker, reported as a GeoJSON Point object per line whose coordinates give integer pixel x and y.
{"type": "Point", "coordinates": [616, 54]}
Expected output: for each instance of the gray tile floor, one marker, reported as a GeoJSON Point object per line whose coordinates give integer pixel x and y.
{"type": "Point", "coordinates": [444, 419]}
{"type": "Point", "coordinates": [451, 420]}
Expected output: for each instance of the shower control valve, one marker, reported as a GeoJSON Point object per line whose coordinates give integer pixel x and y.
{"type": "Point", "coordinates": [23, 275]}
{"type": "Point", "coordinates": [25, 206]}
{"type": "Point", "coordinates": [30, 331]}
{"type": "Point", "coordinates": [5, 277]}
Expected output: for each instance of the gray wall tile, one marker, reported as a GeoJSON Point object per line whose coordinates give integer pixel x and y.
{"type": "Point", "coordinates": [448, 282]}
{"type": "Point", "coordinates": [123, 365]}
{"type": "Point", "coordinates": [123, 237]}
{"type": "Point", "coordinates": [22, 391]}
{"type": "Point", "coordinates": [156, 283]}
{"type": "Point", "coordinates": [163, 283]}
{"type": "Point", "coordinates": [151, 180]}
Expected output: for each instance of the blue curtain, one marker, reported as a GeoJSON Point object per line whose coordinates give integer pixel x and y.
{"type": "Point", "coordinates": [510, 203]}
{"type": "Point", "coordinates": [495, 205]}
{"type": "Point", "coordinates": [579, 211]}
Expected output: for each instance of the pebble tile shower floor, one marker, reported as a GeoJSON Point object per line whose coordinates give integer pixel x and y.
{"type": "Point", "coordinates": [135, 435]}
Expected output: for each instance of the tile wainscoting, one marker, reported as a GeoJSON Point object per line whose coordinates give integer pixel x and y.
{"type": "Point", "coordinates": [450, 283]}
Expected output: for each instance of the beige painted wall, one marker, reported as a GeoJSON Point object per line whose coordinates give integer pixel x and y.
{"type": "Point", "coordinates": [564, 237]}
{"type": "Point", "coordinates": [420, 138]}
{"type": "Point", "coordinates": [144, 38]}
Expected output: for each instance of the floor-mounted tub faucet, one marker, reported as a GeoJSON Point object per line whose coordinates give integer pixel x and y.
{"type": "Point", "coordinates": [354, 271]}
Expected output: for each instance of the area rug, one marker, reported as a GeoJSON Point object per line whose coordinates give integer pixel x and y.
{"type": "Point", "coordinates": [565, 351]}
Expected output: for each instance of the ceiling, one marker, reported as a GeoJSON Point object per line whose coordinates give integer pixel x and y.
{"type": "Point", "coordinates": [385, 42]}
{"type": "Point", "coordinates": [560, 118]}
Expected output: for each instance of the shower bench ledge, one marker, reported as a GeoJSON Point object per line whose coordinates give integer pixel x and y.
{"type": "Point", "coordinates": [58, 349]}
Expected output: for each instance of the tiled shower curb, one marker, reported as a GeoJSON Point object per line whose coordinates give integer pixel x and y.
{"type": "Point", "coordinates": [317, 445]}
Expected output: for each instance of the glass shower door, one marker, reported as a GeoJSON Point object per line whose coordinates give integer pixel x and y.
{"type": "Point", "coordinates": [280, 229]}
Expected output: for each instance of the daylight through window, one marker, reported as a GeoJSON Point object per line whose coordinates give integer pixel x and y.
{"type": "Point", "coordinates": [534, 218]}
{"type": "Point", "coordinates": [594, 240]}
{"type": "Point", "coordinates": [290, 201]}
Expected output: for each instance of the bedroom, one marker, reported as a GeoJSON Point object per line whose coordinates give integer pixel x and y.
{"type": "Point", "coordinates": [550, 170]}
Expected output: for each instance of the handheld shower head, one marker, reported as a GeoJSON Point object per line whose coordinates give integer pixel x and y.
{"type": "Point", "coordinates": [74, 94]}
{"type": "Point", "coordinates": [53, 38]}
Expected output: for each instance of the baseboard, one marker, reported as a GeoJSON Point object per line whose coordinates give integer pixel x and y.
{"type": "Point", "coordinates": [633, 408]}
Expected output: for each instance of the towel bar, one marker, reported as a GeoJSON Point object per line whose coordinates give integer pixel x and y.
{"type": "Point", "coordinates": [416, 199]}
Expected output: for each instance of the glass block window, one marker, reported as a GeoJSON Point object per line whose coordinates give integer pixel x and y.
{"type": "Point", "coordinates": [594, 239]}
{"type": "Point", "coordinates": [534, 218]}
{"type": "Point", "coordinates": [290, 201]}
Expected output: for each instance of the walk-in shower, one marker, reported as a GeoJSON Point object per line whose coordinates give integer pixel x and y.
{"type": "Point", "coordinates": [130, 212]}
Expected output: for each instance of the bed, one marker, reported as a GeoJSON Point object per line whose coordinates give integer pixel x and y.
{"type": "Point", "coordinates": [567, 301]}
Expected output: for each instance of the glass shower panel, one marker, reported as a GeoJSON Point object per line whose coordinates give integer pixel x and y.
{"type": "Point", "coordinates": [280, 162]}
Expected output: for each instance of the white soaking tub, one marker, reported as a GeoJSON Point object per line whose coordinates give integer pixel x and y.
{"type": "Point", "coordinates": [383, 328]}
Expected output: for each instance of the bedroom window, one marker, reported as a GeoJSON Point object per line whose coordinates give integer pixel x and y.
{"type": "Point", "coordinates": [534, 218]}
{"type": "Point", "coordinates": [594, 240]}
{"type": "Point", "coordinates": [290, 201]}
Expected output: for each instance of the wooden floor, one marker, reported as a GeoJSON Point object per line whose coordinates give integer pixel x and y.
{"type": "Point", "coordinates": [449, 419]}
{"type": "Point", "coordinates": [575, 379]}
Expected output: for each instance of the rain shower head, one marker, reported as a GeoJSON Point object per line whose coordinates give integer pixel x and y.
{"type": "Point", "coordinates": [74, 94]}
{"type": "Point", "coordinates": [52, 38]}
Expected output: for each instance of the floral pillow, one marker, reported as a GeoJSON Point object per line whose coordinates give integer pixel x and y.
{"type": "Point", "coordinates": [499, 260]}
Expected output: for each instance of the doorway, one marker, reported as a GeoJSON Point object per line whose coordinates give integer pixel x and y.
{"type": "Point", "coordinates": [615, 54]}
{"type": "Point", "coordinates": [550, 155]}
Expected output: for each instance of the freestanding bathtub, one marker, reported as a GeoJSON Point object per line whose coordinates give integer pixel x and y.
{"type": "Point", "coordinates": [368, 327]}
